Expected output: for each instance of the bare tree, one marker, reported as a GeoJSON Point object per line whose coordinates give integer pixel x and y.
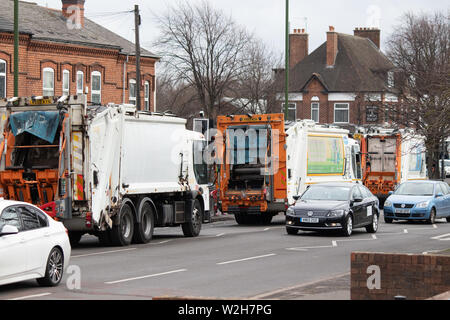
{"type": "Point", "coordinates": [203, 49]}
{"type": "Point", "coordinates": [420, 50]}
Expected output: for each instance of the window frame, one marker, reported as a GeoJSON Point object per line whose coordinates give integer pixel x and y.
{"type": "Point", "coordinates": [315, 109]}
{"type": "Point", "coordinates": [96, 92]}
{"type": "Point", "coordinates": [19, 218]}
{"type": "Point", "coordinates": [44, 89]}
{"type": "Point", "coordinates": [147, 95]}
{"type": "Point", "coordinates": [80, 90]}
{"type": "Point", "coordinates": [3, 74]}
{"type": "Point", "coordinates": [290, 108]}
{"type": "Point", "coordinates": [132, 99]}
{"type": "Point", "coordinates": [341, 109]}
{"type": "Point", "coordinates": [64, 90]}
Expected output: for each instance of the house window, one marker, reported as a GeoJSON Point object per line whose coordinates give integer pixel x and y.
{"type": "Point", "coordinates": [292, 111]}
{"type": "Point", "coordinates": [147, 96]}
{"type": "Point", "coordinates": [391, 79]}
{"type": "Point", "coordinates": [80, 82]}
{"type": "Point", "coordinates": [341, 112]}
{"type": "Point", "coordinates": [315, 106]}
{"type": "Point", "coordinates": [96, 87]}
{"type": "Point", "coordinates": [48, 89]}
{"type": "Point", "coordinates": [132, 91]}
{"type": "Point", "coordinates": [371, 114]}
{"type": "Point", "coordinates": [2, 79]}
{"type": "Point", "coordinates": [66, 83]}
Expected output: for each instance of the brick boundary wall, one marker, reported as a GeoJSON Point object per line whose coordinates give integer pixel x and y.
{"type": "Point", "coordinates": [416, 277]}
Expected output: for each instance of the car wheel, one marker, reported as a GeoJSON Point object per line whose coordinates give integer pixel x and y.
{"type": "Point", "coordinates": [388, 220]}
{"type": "Point", "coordinates": [144, 229]}
{"type": "Point", "coordinates": [192, 228]}
{"type": "Point", "coordinates": [75, 238]}
{"type": "Point", "coordinates": [347, 228]}
{"type": "Point", "coordinates": [373, 227]}
{"type": "Point", "coordinates": [122, 233]}
{"type": "Point", "coordinates": [54, 269]}
{"type": "Point", "coordinates": [292, 231]}
{"type": "Point", "coordinates": [432, 218]}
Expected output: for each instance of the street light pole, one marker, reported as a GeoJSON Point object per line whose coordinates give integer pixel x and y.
{"type": "Point", "coordinates": [286, 104]}
{"type": "Point", "coordinates": [16, 48]}
{"type": "Point", "coordinates": [137, 22]}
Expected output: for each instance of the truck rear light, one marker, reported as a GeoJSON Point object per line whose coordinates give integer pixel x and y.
{"type": "Point", "coordinates": [88, 219]}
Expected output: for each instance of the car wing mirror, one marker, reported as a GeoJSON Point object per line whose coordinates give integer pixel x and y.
{"type": "Point", "coordinates": [8, 230]}
{"type": "Point", "coordinates": [356, 200]}
{"type": "Point", "coordinates": [440, 194]}
{"type": "Point", "coordinates": [296, 198]}
{"type": "Point", "coordinates": [390, 193]}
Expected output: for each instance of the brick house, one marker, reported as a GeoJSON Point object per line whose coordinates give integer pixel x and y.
{"type": "Point", "coordinates": [62, 52]}
{"type": "Point", "coordinates": [347, 80]}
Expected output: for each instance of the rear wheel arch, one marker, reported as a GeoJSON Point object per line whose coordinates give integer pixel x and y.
{"type": "Point", "coordinates": [140, 204]}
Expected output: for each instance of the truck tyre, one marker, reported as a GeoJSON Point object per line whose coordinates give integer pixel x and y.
{"type": "Point", "coordinates": [266, 219]}
{"type": "Point", "coordinates": [74, 238]}
{"type": "Point", "coordinates": [241, 218]}
{"type": "Point", "coordinates": [192, 228]}
{"type": "Point", "coordinates": [104, 238]}
{"type": "Point", "coordinates": [143, 230]}
{"type": "Point", "coordinates": [122, 232]}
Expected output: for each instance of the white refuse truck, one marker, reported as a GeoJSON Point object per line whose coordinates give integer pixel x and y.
{"type": "Point", "coordinates": [113, 171]}
{"type": "Point", "coordinates": [319, 154]}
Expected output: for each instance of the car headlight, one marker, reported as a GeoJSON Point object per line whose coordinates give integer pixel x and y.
{"type": "Point", "coordinates": [290, 211]}
{"type": "Point", "coordinates": [336, 213]}
{"type": "Point", "coordinates": [387, 203]}
{"type": "Point", "coordinates": [423, 204]}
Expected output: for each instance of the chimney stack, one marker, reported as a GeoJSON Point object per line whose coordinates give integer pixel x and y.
{"type": "Point", "coordinates": [373, 34]}
{"type": "Point", "coordinates": [332, 47]}
{"type": "Point", "coordinates": [298, 46]}
{"type": "Point", "coordinates": [74, 10]}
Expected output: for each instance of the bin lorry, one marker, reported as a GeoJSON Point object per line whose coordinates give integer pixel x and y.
{"type": "Point", "coordinates": [391, 157]}
{"type": "Point", "coordinates": [251, 160]}
{"type": "Point", "coordinates": [111, 171]}
{"type": "Point", "coordinates": [319, 154]}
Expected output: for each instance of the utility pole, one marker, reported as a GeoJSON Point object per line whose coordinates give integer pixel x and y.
{"type": "Point", "coordinates": [16, 48]}
{"type": "Point", "coordinates": [137, 22]}
{"type": "Point", "coordinates": [286, 104]}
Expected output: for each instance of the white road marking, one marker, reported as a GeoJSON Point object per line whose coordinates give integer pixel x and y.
{"type": "Point", "coordinates": [166, 241]}
{"type": "Point", "coordinates": [220, 235]}
{"type": "Point", "coordinates": [442, 237]}
{"type": "Point", "coordinates": [266, 229]}
{"type": "Point", "coordinates": [247, 259]}
{"type": "Point", "coordinates": [374, 237]}
{"type": "Point", "coordinates": [306, 248]}
{"type": "Point", "coordinates": [147, 276]}
{"type": "Point", "coordinates": [101, 253]}
{"type": "Point", "coordinates": [334, 243]}
{"type": "Point", "coordinates": [435, 226]}
{"type": "Point", "coordinates": [405, 231]}
{"type": "Point", "coordinates": [32, 296]}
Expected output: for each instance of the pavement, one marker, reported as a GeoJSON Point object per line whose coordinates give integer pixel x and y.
{"type": "Point", "coordinates": [229, 261]}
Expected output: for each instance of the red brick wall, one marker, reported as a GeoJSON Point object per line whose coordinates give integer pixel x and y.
{"type": "Point", "coordinates": [416, 277]}
{"type": "Point", "coordinates": [34, 56]}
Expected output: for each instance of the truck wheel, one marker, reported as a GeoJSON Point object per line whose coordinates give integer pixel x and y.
{"type": "Point", "coordinates": [122, 233]}
{"type": "Point", "coordinates": [266, 219]}
{"type": "Point", "coordinates": [74, 238]}
{"type": "Point", "coordinates": [193, 227]}
{"type": "Point", "coordinates": [105, 238]}
{"type": "Point", "coordinates": [143, 230]}
{"type": "Point", "coordinates": [241, 218]}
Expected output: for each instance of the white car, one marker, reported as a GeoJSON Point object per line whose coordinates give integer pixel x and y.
{"type": "Point", "coordinates": [32, 245]}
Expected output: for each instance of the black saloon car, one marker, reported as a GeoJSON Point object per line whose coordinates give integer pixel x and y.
{"type": "Point", "coordinates": [334, 206]}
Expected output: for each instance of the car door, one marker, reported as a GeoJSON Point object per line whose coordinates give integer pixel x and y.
{"type": "Point", "coordinates": [446, 191]}
{"type": "Point", "coordinates": [13, 253]}
{"type": "Point", "coordinates": [359, 211]}
{"type": "Point", "coordinates": [439, 201]}
{"type": "Point", "coordinates": [37, 238]}
{"type": "Point", "coordinates": [369, 203]}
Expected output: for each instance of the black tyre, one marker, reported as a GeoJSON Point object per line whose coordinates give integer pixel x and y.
{"type": "Point", "coordinates": [104, 238]}
{"type": "Point", "coordinates": [122, 232]}
{"type": "Point", "coordinates": [241, 218]}
{"type": "Point", "coordinates": [266, 219]}
{"type": "Point", "coordinates": [54, 270]}
{"type": "Point", "coordinates": [193, 227]}
{"type": "Point", "coordinates": [373, 227]}
{"type": "Point", "coordinates": [448, 219]}
{"type": "Point", "coordinates": [432, 218]}
{"type": "Point", "coordinates": [292, 231]}
{"type": "Point", "coordinates": [143, 230]}
{"type": "Point", "coordinates": [75, 238]}
{"type": "Point", "coordinates": [388, 220]}
{"type": "Point", "coordinates": [347, 228]}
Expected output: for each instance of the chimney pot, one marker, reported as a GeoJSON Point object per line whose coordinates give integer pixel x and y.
{"type": "Point", "coordinates": [372, 33]}
{"type": "Point", "coordinates": [331, 29]}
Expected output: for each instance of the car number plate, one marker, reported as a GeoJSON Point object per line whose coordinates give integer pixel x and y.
{"type": "Point", "coordinates": [310, 220]}
{"type": "Point", "coordinates": [402, 211]}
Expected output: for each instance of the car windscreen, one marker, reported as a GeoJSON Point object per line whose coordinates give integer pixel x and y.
{"type": "Point", "coordinates": [415, 189]}
{"type": "Point", "coordinates": [332, 193]}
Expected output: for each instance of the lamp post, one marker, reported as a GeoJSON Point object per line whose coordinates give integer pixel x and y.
{"type": "Point", "coordinates": [16, 48]}
{"type": "Point", "coordinates": [286, 104]}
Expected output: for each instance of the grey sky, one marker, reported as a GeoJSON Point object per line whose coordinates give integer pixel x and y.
{"type": "Point", "coordinates": [265, 18]}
